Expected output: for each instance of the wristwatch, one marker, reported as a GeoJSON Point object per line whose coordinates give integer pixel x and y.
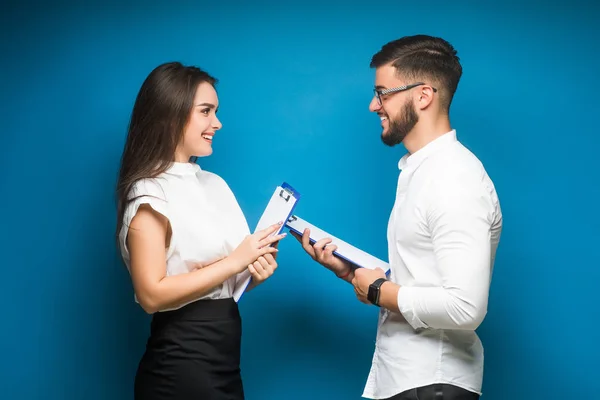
{"type": "Point", "coordinates": [374, 290]}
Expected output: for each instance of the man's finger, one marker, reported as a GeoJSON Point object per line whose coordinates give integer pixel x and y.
{"type": "Point", "coordinates": [322, 243]}
{"type": "Point", "coordinates": [329, 249]}
{"type": "Point", "coordinates": [306, 243]}
{"type": "Point", "coordinates": [297, 236]}
{"type": "Point", "coordinates": [319, 247]}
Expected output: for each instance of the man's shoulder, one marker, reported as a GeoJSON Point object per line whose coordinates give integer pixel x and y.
{"type": "Point", "coordinates": [456, 163]}
{"type": "Point", "coordinates": [458, 173]}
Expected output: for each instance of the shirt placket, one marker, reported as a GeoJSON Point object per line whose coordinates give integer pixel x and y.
{"type": "Point", "coordinates": [401, 189]}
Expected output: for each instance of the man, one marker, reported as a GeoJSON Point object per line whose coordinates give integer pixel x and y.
{"type": "Point", "coordinates": [442, 234]}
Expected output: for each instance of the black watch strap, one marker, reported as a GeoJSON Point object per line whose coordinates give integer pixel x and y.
{"type": "Point", "coordinates": [374, 290]}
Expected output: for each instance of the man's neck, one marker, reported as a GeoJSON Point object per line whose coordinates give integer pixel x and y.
{"type": "Point", "coordinates": [426, 132]}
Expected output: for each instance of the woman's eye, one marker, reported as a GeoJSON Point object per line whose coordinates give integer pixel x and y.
{"type": "Point", "coordinates": [205, 111]}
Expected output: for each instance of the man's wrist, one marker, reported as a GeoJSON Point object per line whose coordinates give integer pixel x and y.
{"type": "Point", "coordinates": [388, 296]}
{"type": "Point", "coordinates": [345, 275]}
{"type": "Point", "coordinates": [374, 291]}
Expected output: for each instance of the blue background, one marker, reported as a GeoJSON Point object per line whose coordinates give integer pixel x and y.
{"type": "Point", "coordinates": [295, 85]}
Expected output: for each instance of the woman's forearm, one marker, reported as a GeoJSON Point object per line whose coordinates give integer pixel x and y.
{"type": "Point", "coordinates": [173, 291]}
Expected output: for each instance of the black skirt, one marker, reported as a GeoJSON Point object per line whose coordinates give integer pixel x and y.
{"type": "Point", "coordinates": [193, 353]}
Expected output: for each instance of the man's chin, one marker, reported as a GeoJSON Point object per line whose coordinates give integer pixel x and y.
{"type": "Point", "coordinates": [387, 140]}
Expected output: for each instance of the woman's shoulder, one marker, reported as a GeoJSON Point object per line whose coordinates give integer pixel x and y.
{"type": "Point", "coordinates": [217, 185]}
{"type": "Point", "coordinates": [212, 179]}
{"type": "Point", "coordinates": [154, 187]}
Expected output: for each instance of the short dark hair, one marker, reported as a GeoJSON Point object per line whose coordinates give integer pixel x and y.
{"type": "Point", "coordinates": [423, 58]}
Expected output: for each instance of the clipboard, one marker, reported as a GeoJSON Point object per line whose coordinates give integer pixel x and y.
{"type": "Point", "coordinates": [345, 251]}
{"type": "Point", "coordinates": [280, 208]}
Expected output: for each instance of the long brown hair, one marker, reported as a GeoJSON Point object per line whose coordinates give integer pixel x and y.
{"type": "Point", "coordinates": [160, 114]}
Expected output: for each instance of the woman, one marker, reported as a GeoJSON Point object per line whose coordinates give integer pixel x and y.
{"type": "Point", "coordinates": [185, 240]}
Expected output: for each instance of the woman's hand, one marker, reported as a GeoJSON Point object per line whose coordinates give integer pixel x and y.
{"type": "Point", "coordinates": [255, 246]}
{"type": "Point", "coordinates": [262, 268]}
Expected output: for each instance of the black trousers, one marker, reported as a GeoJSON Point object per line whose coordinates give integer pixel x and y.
{"type": "Point", "coordinates": [438, 391]}
{"type": "Point", "coordinates": [193, 353]}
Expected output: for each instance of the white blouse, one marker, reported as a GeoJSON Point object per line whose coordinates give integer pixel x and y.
{"type": "Point", "coordinates": [205, 217]}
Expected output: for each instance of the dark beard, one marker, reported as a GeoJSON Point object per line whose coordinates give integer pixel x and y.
{"type": "Point", "coordinates": [401, 126]}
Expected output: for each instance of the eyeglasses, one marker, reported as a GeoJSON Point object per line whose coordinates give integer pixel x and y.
{"type": "Point", "coordinates": [383, 92]}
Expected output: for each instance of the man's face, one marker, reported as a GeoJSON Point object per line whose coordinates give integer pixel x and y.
{"type": "Point", "coordinates": [397, 110]}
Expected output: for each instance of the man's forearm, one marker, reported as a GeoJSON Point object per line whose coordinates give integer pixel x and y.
{"type": "Point", "coordinates": [347, 276]}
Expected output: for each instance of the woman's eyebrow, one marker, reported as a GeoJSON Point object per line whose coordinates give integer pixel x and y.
{"type": "Point", "coordinates": [209, 105]}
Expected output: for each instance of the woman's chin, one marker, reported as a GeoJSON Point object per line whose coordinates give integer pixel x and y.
{"type": "Point", "coordinates": [204, 152]}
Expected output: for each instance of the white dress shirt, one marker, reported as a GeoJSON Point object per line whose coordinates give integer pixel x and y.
{"type": "Point", "coordinates": [442, 238]}
{"type": "Point", "coordinates": [206, 220]}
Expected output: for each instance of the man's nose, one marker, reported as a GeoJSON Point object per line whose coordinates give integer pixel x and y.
{"type": "Point", "coordinates": [374, 106]}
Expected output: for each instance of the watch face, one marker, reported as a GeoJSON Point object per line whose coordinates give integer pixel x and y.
{"type": "Point", "coordinates": [372, 294]}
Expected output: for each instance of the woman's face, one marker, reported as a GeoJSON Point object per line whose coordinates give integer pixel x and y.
{"type": "Point", "coordinates": [198, 134]}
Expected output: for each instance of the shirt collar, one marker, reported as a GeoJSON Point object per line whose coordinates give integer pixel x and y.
{"type": "Point", "coordinates": [412, 161]}
{"type": "Point", "coordinates": [183, 168]}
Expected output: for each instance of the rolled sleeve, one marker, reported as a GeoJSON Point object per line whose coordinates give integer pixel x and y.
{"type": "Point", "coordinates": [405, 305]}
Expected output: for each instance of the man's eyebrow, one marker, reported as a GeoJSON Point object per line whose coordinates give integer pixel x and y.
{"type": "Point", "coordinates": [379, 87]}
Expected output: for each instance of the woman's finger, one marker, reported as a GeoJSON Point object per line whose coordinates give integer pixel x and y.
{"type": "Point", "coordinates": [267, 250]}
{"type": "Point", "coordinates": [271, 239]}
{"type": "Point", "coordinates": [260, 269]}
{"type": "Point", "coordinates": [270, 259]}
{"type": "Point", "coordinates": [265, 264]}
{"type": "Point", "coordinates": [253, 272]}
{"type": "Point", "coordinates": [262, 234]}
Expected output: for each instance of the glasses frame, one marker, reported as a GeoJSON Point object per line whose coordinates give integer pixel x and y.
{"type": "Point", "coordinates": [382, 92]}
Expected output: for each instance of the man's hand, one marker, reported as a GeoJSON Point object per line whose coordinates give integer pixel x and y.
{"type": "Point", "coordinates": [322, 252]}
{"type": "Point", "coordinates": [363, 277]}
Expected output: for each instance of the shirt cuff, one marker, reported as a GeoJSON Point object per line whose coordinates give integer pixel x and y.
{"type": "Point", "coordinates": [405, 305]}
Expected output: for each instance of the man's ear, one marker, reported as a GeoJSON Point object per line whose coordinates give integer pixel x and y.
{"type": "Point", "coordinates": [424, 97]}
